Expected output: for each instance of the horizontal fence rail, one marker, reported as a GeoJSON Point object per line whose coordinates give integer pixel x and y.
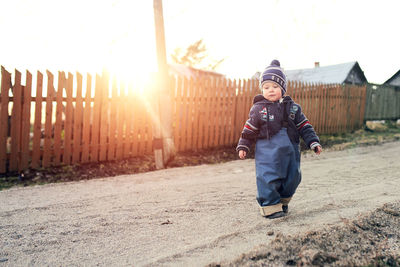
{"type": "Point", "coordinates": [51, 120]}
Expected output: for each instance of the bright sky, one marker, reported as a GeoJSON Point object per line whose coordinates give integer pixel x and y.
{"type": "Point", "coordinates": [86, 35]}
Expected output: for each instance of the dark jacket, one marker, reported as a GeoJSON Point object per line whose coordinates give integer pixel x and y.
{"type": "Point", "coordinates": [267, 118]}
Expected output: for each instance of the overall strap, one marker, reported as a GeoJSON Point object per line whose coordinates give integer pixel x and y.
{"type": "Point", "coordinates": [285, 116]}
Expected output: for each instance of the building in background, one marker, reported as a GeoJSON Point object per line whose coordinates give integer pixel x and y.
{"type": "Point", "coordinates": [394, 80]}
{"type": "Point", "coordinates": [349, 73]}
{"type": "Point", "coordinates": [190, 72]}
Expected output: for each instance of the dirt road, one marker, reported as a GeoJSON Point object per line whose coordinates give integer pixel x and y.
{"type": "Point", "coordinates": [186, 216]}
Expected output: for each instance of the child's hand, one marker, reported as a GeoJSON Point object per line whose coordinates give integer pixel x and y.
{"type": "Point", "coordinates": [318, 150]}
{"type": "Point", "coordinates": [242, 154]}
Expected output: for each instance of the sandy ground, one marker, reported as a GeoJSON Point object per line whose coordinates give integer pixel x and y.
{"type": "Point", "coordinates": [186, 216]}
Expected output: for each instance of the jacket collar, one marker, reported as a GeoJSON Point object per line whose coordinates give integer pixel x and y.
{"type": "Point", "coordinates": [261, 98]}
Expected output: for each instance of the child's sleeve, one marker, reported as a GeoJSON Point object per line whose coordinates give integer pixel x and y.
{"type": "Point", "coordinates": [306, 130]}
{"type": "Point", "coordinates": [250, 131]}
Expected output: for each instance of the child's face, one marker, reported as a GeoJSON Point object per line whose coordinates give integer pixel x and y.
{"type": "Point", "coordinates": [271, 91]}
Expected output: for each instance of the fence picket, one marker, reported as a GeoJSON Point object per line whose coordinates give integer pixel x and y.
{"type": "Point", "coordinates": [190, 115]}
{"type": "Point", "coordinates": [104, 121]}
{"type": "Point", "coordinates": [136, 119]}
{"type": "Point", "coordinates": [113, 121]}
{"type": "Point", "coordinates": [207, 109]}
{"type": "Point", "coordinates": [5, 87]}
{"type": "Point", "coordinates": [37, 125]}
{"type": "Point", "coordinates": [47, 149]}
{"type": "Point", "coordinates": [26, 124]}
{"type": "Point", "coordinates": [78, 119]}
{"type": "Point", "coordinates": [213, 106]}
{"type": "Point", "coordinates": [128, 122]}
{"type": "Point", "coordinates": [121, 123]}
{"type": "Point", "coordinates": [59, 120]}
{"type": "Point", "coordinates": [68, 121]}
{"type": "Point", "coordinates": [185, 107]}
{"type": "Point", "coordinates": [94, 144]}
{"type": "Point", "coordinates": [87, 124]}
{"type": "Point", "coordinates": [16, 123]}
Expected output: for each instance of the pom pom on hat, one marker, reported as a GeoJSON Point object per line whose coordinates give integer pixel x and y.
{"type": "Point", "coordinates": [275, 62]}
{"type": "Point", "coordinates": [274, 73]}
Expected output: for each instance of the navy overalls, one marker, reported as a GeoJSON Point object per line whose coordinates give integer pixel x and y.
{"type": "Point", "coordinates": [275, 129]}
{"type": "Point", "coordinates": [277, 171]}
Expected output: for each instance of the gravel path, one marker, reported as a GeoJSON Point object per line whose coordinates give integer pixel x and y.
{"type": "Point", "coordinates": [186, 216]}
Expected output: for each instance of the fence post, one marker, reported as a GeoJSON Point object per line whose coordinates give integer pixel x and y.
{"type": "Point", "coordinates": [164, 94]}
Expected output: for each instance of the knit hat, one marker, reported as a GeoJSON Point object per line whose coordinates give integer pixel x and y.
{"type": "Point", "coordinates": [274, 73]}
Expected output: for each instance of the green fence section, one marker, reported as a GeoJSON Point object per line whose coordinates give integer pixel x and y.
{"type": "Point", "coordinates": [382, 102]}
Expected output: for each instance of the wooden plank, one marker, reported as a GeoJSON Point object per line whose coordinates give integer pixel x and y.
{"type": "Point", "coordinates": [207, 112]}
{"type": "Point", "coordinates": [16, 123]}
{"type": "Point", "coordinates": [104, 121]}
{"type": "Point", "coordinates": [327, 112]}
{"type": "Point", "coordinates": [59, 120]}
{"type": "Point", "coordinates": [238, 114]}
{"type": "Point", "coordinates": [332, 112]}
{"type": "Point", "coordinates": [149, 124]}
{"type": "Point", "coordinates": [195, 115]}
{"type": "Point", "coordinates": [26, 124]}
{"type": "Point", "coordinates": [86, 127]}
{"type": "Point", "coordinates": [363, 105]}
{"type": "Point", "coordinates": [222, 114]}
{"type": "Point", "coordinates": [190, 125]}
{"type": "Point", "coordinates": [78, 120]}
{"type": "Point", "coordinates": [331, 96]}
{"type": "Point", "coordinates": [300, 95]}
{"type": "Point", "coordinates": [314, 104]}
{"type": "Point", "coordinates": [113, 121]}
{"type": "Point", "coordinates": [325, 117]}
{"type": "Point", "coordinates": [94, 144]}
{"type": "Point", "coordinates": [235, 118]}
{"type": "Point", "coordinates": [47, 154]}
{"type": "Point", "coordinates": [219, 115]}
{"type": "Point", "coordinates": [185, 107]}
{"type": "Point", "coordinates": [212, 106]}
{"type": "Point", "coordinates": [37, 125]}
{"type": "Point", "coordinates": [343, 109]}
{"type": "Point", "coordinates": [5, 87]}
{"type": "Point", "coordinates": [176, 99]}
{"type": "Point", "coordinates": [217, 104]}
{"type": "Point", "coordinates": [121, 122]}
{"type": "Point", "coordinates": [129, 116]}
{"type": "Point", "coordinates": [137, 128]}
{"type": "Point", "coordinates": [243, 110]}
{"type": "Point", "coordinates": [68, 121]}
{"type": "Point", "coordinates": [130, 123]}
{"type": "Point", "coordinates": [200, 112]}
{"type": "Point", "coordinates": [231, 111]}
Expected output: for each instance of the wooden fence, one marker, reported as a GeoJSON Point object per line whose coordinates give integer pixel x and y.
{"type": "Point", "coordinates": [382, 102]}
{"type": "Point", "coordinates": [97, 119]}
{"type": "Point", "coordinates": [66, 127]}
{"type": "Point", "coordinates": [211, 112]}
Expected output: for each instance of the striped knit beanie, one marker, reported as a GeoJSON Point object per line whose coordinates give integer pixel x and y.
{"type": "Point", "coordinates": [274, 73]}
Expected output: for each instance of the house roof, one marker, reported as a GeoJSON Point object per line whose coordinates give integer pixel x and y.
{"type": "Point", "coordinates": [190, 72]}
{"type": "Point", "coordinates": [394, 80]}
{"type": "Point", "coordinates": [338, 73]}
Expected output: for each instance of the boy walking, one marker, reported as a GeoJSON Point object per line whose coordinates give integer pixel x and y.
{"type": "Point", "coordinates": [275, 124]}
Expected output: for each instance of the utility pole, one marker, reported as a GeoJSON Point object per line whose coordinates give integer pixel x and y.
{"type": "Point", "coordinates": [165, 141]}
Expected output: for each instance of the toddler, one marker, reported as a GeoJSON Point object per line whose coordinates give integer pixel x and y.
{"type": "Point", "coordinates": [275, 125]}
